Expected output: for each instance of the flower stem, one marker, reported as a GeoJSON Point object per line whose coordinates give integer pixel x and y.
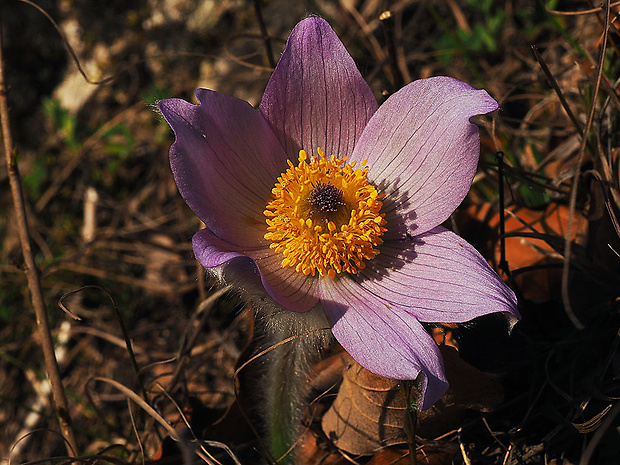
{"type": "Point", "coordinates": [297, 340]}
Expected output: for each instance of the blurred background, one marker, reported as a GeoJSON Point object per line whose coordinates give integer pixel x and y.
{"type": "Point", "coordinates": [104, 211]}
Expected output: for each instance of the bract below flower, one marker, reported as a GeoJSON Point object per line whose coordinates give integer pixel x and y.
{"type": "Point", "coordinates": [357, 229]}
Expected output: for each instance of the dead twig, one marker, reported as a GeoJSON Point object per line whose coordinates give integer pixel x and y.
{"type": "Point", "coordinates": [556, 87]}
{"type": "Point", "coordinates": [264, 33]}
{"type": "Point", "coordinates": [387, 20]}
{"type": "Point", "coordinates": [32, 272]}
{"type": "Point", "coordinates": [121, 323]}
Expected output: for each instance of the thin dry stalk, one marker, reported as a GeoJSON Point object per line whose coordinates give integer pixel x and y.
{"type": "Point", "coordinates": [263, 30]}
{"type": "Point", "coordinates": [32, 272]}
{"type": "Point", "coordinates": [573, 192]}
{"type": "Point", "coordinates": [556, 87]}
{"type": "Point", "coordinates": [186, 445]}
{"type": "Point", "coordinates": [598, 435]}
{"type": "Point", "coordinates": [66, 42]}
{"type": "Point", "coordinates": [191, 334]}
{"type": "Point", "coordinates": [121, 323]}
{"type": "Point", "coordinates": [387, 20]}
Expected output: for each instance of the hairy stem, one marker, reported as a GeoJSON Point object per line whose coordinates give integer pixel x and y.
{"type": "Point", "coordinates": [289, 365]}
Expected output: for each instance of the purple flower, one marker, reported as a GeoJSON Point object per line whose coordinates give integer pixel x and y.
{"type": "Point", "coordinates": [340, 203]}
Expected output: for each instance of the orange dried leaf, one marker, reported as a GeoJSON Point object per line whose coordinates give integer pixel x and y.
{"type": "Point", "coordinates": [368, 413]}
{"type": "Point", "coordinates": [538, 284]}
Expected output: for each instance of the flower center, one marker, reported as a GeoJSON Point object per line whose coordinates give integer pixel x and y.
{"type": "Point", "coordinates": [325, 199]}
{"type": "Point", "coordinates": [324, 216]}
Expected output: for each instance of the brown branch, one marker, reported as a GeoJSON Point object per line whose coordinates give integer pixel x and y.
{"type": "Point", "coordinates": [32, 272]}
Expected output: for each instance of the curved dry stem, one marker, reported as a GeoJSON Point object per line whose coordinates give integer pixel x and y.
{"type": "Point", "coordinates": [135, 429]}
{"type": "Point", "coordinates": [32, 271]}
{"type": "Point", "coordinates": [191, 334]}
{"type": "Point", "coordinates": [598, 435]}
{"type": "Point", "coordinates": [67, 44]}
{"type": "Point", "coordinates": [578, 13]}
{"type": "Point", "coordinates": [131, 395]}
{"type": "Point", "coordinates": [275, 346]}
{"type": "Point", "coordinates": [121, 323]}
{"type": "Point", "coordinates": [141, 403]}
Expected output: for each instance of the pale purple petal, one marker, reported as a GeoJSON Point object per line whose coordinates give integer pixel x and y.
{"type": "Point", "coordinates": [384, 339]}
{"type": "Point", "coordinates": [211, 251]}
{"type": "Point", "coordinates": [289, 288]}
{"type": "Point", "coordinates": [292, 290]}
{"type": "Point", "coordinates": [422, 150]}
{"type": "Point", "coordinates": [316, 96]}
{"type": "Point", "coordinates": [437, 277]}
{"type": "Point", "coordinates": [225, 161]}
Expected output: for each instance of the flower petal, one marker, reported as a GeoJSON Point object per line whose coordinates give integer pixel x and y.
{"type": "Point", "coordinates": [225, 161]}
{"type": "Point", "coordinates": [438, 277]}
{"type": "Point", "coordinates": [422, 150]}
{"type": "Point", "coordinates": [385, 340]}
{"type": "Point", "coordinates": [292, 290]}
{"type": "Point", "coordinates": [316, 96]}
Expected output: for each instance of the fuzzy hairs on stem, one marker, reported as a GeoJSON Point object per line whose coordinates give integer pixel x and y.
{"type": "Point", "coordinates": [294, 342]}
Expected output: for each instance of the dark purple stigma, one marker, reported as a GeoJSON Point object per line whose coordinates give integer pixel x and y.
{"type": "Point", "coordinates": [325, 199]}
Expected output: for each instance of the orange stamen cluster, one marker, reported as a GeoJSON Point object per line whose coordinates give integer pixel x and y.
{"type": "Point", "coordinates": [330, 235]}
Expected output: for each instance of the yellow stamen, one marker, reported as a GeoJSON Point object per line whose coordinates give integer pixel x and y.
{"type": "Point", "coordinates": [324, 216]}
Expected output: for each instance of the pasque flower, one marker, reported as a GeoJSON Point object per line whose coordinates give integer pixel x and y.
{"type": "Point", "coordinates": [339, 203]}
